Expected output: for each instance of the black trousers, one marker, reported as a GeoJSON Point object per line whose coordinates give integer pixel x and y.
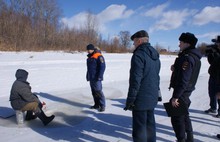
{"type": "Point", "coordinates": [181, 126]}
{"type": "Point", "coordinates": [213, 89]}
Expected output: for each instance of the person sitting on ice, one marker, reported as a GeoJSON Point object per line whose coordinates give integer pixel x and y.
{"type": "Point", "coordinates": [23, 99]}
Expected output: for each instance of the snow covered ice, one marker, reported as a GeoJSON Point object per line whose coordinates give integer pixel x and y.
{"type": "Point", "coordinates": [59, 80]}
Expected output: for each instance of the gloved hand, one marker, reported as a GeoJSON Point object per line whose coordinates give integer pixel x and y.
{"type": "Point", "coordinates": [129, 106]}
{"type": "Point", "coordinates": [159, 99]}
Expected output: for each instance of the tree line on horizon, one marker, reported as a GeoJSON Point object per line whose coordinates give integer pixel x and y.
{"type": "Point", "coordinates": [34, 25]}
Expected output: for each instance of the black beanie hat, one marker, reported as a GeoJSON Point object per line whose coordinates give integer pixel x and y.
{"type": "Point", "coordinates": [139, 34]}
{"type": "Point", "coordinates": [188, 38]}
{"type": "Point", "coordinates": [90, 47]}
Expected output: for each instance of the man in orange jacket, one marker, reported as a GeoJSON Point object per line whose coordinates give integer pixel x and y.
{"type": "Point", "coordinates": [95, 72]}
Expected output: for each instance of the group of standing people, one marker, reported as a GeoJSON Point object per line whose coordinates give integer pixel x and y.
{"type": "Point", "coordinates": [144, 81]}
{"type": "Point", "coordinates": [144, 86]}
{"type": "Point", "coordinates": [144, 90]}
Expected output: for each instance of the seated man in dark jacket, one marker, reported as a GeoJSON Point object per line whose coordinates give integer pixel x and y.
{"type": "Point", "coordinates": [23, 99]}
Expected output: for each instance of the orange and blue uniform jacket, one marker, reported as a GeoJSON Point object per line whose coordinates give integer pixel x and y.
{"type": "Point", "coordinates": [95, 66]}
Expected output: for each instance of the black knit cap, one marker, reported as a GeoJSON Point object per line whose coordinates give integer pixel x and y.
{"type": "Point", "coordinates": [139, 34]}
{"type": "Point", "coordinates": [217, 40]}
{"type": "Point", "coordinates": [188, 38]}
{"type": "Point", "coordinates": [90, 47]}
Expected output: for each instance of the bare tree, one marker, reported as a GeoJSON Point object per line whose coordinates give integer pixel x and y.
{"type": "Point", "coordinates": [34, 25]}
{"type": "Point", "coordinates": [125, 38]}
{"type": "Point", "coordinates": [91, 27]}
{"type": "Point", "coordinates": [202, 47]}
{"type": "Point", "coordinates": [45, 20]}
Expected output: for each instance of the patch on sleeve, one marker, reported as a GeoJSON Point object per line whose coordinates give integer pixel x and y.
{"type": "Point", "coordinates": [101, 60]}
{"type": "Point", "coordinates": [185, 65]}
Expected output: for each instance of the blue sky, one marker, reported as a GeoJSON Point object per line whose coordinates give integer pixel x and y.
{"type": "Point", "coordinates": [164, 20]}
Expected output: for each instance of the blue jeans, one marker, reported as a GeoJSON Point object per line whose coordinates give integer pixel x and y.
{"type": "Point", "coordinates": [144, 126]}
{"type": "Point", "coordinates": [98, 96]}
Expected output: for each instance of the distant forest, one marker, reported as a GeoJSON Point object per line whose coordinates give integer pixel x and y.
{"type": "Point", "coordinates": [34, 25]}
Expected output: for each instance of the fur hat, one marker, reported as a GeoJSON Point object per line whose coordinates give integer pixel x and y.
{"type": "Point", "coordinates": [217, 40]}
{"type": "Point", "coordinates": [188, 38]}
{"type": "Point", "coordinates": [90, 47]}
{"type": "Point", "coordinates": [139, 34]}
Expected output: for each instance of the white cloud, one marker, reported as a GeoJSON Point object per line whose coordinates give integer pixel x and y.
{"type": "Point", "coordinates": [156, 11]}
{"type": "Point", "coordinates": [114, 12]}
{"type": "Point", "coordinates": [111, 13]}
{"type": "Point", "coordinates": [209, 36]}
{"type": "Point", "coordinates": [171, 20]}
{"type": "Point", "coordinates": [207, 15]}
{"type": "Point", "coordinates": [77, 21]}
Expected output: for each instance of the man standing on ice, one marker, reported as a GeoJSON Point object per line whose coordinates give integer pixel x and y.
{"type": "Point", "coordinates": [185, 73]}
{"type": "Point", "coordinates": [213, 56]}
{"type": "Point", "coordinates": [95, 72]}
{"type": "Point", "coordinates": [143, 88]}
{"type": "Point", "coordinates": [213, 53]}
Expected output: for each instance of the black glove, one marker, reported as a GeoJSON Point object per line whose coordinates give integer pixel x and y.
{"type": "Point", "coordinates": [129, 106]}
{"type": "Point", "coordinates": [159, 99]}
{"type": "Point", "coordinates": [159, 96]}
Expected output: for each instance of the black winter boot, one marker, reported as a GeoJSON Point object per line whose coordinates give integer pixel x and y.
{"type": "Point", "coordinates": [46, 120]}
{"type": "Point", "coordinates": [189, 137]}
{"type": "Point", "coordinates": [30, 115]}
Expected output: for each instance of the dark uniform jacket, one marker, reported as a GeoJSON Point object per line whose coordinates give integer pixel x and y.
{"type": "Point", "coordinates": [214, 69]}
{"type": "Point", "coordinates": [144, 78]}
{"type": "Point", "coordinates": [186, 70]}
{"type": "Point", "coordinates": [95, 66]}
{"type": "Point", "coordinates": [21, 91]}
